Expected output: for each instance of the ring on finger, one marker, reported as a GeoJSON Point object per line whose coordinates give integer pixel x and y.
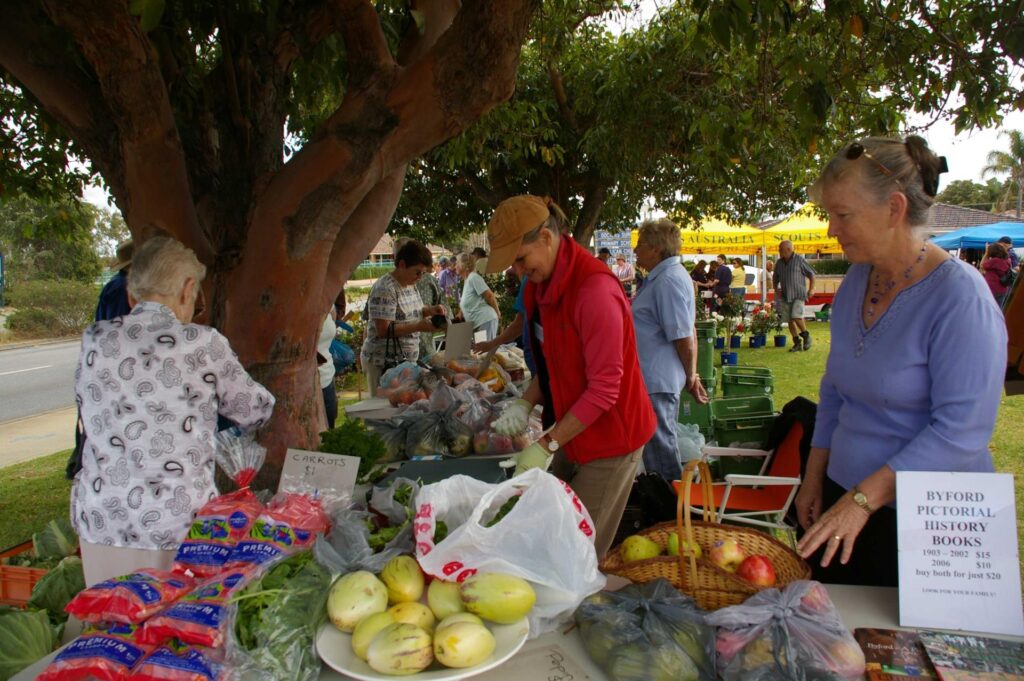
{"type": "Point", "coordinates": [837, 537]}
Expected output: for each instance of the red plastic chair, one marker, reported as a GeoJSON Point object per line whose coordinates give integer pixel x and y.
{"type": "Point", "coordinates": [762, 499]}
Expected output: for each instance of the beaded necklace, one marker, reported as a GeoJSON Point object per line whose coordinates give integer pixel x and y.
{"type": "Point", "coordinates": [880, 290]}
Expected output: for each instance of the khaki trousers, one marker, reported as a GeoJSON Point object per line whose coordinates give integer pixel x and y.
{"type": "Point", "coordinates": [101, 562]}
{"type": "Point", "coordinates": [603, 486]}
{"type": "Point", "coordinates": [373, 374]}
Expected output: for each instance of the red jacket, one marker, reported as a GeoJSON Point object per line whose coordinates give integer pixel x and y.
{"type": "Point", "coordinates": [630, 421]}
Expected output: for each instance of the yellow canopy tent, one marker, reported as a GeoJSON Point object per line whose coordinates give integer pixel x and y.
{"type": "Point", "coordinates": [806, 229]}
{"type": "Point", "coordinates": [715, 236]}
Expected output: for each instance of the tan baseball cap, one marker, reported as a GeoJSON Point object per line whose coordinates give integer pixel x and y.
{"type": "Point", "coordinates": [513, 219]}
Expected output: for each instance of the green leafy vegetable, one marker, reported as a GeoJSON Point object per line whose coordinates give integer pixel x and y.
{"type": "Point", "coordinates": [403, 494]}
{"type": "Point", "coordinates": [440, 531]}
{"type": "Point", "coordinates": [502, 512]}
{"type": "Point", "coordinates": [352, 438]}
{"type": "Point", "coordinates": [379, 537]}
{"type": "Point", "coordinates": [25, 637]}
{"type": "Point", "coordinates": [57, 587]}
{"type": "Point", "coordinates": [56, 540]}
{"type": "Point", "coordinates": [279, 615]}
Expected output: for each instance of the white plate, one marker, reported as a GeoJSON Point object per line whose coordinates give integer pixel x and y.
{"type": "Point", "coordinates": [335, 648]}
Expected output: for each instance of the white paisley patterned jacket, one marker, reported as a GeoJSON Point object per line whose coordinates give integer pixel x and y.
{"type": "Point", "coordinates": [149, 389]}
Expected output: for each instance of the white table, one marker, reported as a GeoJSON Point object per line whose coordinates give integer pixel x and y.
{"type": "Point", "coordinates": [860, 606]}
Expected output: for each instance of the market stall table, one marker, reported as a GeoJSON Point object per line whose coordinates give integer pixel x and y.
{"type": "Point", "coordinates": [860, 606]}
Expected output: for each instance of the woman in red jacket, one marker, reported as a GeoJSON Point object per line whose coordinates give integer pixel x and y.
{"type": "Point", "coordinates": [588, 376]}
{"type": "Point", "coordinates": [994, 267]}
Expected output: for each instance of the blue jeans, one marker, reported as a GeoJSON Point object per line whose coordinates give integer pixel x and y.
{"type": "Point", "coordinates": [661, 454]}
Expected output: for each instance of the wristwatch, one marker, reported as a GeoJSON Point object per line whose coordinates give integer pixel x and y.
{"type": "Point", "coordinates": [552, 445]}
{"type": "Point", "coordinates": [861, 500]}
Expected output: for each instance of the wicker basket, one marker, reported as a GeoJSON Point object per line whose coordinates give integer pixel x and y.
{"type": "Point", "coordinates": [711, 586]}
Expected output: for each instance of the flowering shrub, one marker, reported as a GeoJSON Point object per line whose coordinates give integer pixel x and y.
{"type": "Point", "coordinates": [760, 321]}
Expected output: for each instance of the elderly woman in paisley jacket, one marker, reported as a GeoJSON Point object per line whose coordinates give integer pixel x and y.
{"type": "Point", "coordinates": [150, 385]}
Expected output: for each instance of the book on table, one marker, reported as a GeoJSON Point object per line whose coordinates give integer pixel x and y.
{"type": "Point", "coordinates": [966, 657]}
{"type": "Point", "coordinates": [894, 655]}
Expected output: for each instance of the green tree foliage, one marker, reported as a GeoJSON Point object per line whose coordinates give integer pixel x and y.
{"type": "Point", "coordinates": [973, 194]}
{"type": "Point", "coordinates": [49, 238]}
{"type": "Point", "coordinates": [720, 106]}
{"type": "Point", "coordinates": [1010, 163]}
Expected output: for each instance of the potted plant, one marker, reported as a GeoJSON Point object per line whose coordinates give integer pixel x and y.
{"type": "Point", "coordinates": [776, 328]}
{"type": "Point", "coordinates": [719, 331]}
{"type": "Point", "coordinates": [731, 309]}
{"type": "Point", "coordinates": [760, 325]}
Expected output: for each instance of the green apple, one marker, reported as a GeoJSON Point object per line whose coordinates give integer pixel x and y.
{"type": "Point", "coordinates": [673, 546]}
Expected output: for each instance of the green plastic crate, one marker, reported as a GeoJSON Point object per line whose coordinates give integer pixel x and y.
{"type": "Point", "coordinates": [735, 407]}
{"type": "Point", "coordinates": [692, 412]}
{"type": "Point", "coordinates": [739, 381]}
{"type": "Point", "coordinates": [743, 429]}
{"type": "Point", "coordinates": [705, 349]}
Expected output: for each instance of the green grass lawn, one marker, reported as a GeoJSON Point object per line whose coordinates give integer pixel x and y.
{"type": "Point", "coordinates": [32, 494]}
{"type": "Point", "coordinates": [799, 373]}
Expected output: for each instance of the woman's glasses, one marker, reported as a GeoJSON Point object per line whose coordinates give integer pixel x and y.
{"type": "Point", "coordinates": [856, 150]}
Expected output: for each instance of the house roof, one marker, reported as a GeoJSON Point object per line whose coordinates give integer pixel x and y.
{"type": "Point", "coordinates": [946, 218]}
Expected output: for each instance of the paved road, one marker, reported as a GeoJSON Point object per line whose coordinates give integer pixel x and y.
{"type": "Point", "coordinates": [37, 379]}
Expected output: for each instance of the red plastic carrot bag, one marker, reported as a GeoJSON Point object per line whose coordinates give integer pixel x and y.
{"type": "Point", "coordinates": [176, 661]}
{"type": "Point", "coordinates": [289, 524]}
{"type": "Point", "coordinates": [225, 520]}
{"type": "Point", "coordinates": [129, 599]}
{"type": "Point", "coordinates": [107, 653]}
{"type": "Point", "coordinates": [200, 617]}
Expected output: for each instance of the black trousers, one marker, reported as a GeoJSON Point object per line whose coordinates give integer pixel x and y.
{"type": "Point", "coordinates": [874, 561]}
{"type": "Point", "coordinates": [331, 405]}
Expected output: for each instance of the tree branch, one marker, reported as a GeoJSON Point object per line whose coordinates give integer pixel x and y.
{"type": "Point", "coordinates": [156, 187]}
{"type": "Point", "coordinates": [482, 191]}
{"type": "Point", "coordinates": [558, 86]}
{"type": "Point", "coordinates": [33, 51]}
{"type": "Point", "coordinates": [365, 47]}
{"type": "Point", "coordinates": [590, 211]}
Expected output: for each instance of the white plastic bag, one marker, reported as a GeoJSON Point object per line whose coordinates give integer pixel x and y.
{"type": "Point", "coordinates": [690, 442]}
{"type": "Point", "coordinates": [547, 539]}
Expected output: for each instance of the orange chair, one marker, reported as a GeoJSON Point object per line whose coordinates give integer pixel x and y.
{"type": "Point", "coordinates": [761, 499]}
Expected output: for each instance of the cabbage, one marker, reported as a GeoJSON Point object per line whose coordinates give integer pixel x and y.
{"type": "Point", "coordinates": [25, 637]}
{"type": "Point", "coordinates": [57, 587]}
{"type": "Point", "coordinates": [56, 540]}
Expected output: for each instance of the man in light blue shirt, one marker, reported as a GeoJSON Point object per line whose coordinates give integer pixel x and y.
{"type": "Point", "coordinates": [663, 315]}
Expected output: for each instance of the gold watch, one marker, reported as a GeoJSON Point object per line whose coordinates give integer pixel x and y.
{"type": "Point", "coordinates": [861, 500]}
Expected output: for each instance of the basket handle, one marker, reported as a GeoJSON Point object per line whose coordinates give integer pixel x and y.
{"type": "Point", "coordinates": [699, 467]}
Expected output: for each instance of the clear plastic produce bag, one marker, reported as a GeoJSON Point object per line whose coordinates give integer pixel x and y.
{"type": "Point", "coordinates": [795, 634]}
{"type": "Point", "coordinates": [690, 442]}
{"type": "Point", "coordinates": [648, 632]}
{"type": "Point", "coordinates": [348, 546]}
{"type": "Point", "coordinates": [547, 538]}
{"type": "Point", "coordinates": [426, 436]}
{"type": "Point", "coordinates": [396, 500]}
{"type": "Point", "coordinates": [402, 385]}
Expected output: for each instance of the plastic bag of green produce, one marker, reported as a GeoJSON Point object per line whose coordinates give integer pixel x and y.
{"type": "Point", "coordinates": [357, 541]}
{"type": "Point", "coordinates": [275, 622]}
{"type": "Point", "coordinates": [647, 632]}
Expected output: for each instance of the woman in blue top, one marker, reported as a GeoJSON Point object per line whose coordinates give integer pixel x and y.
{"type": "Point", "coordinates": [915, 370]}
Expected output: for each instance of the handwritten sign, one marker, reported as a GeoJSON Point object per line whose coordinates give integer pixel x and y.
{"type": "Point", "coordinates": [958, 552]}
{"type": "Point", "coordinates": [316, 472]}
{"type": "Point", "coordinates": [458, 340]}
{"type": "Point", "coordinates": [550, 663]}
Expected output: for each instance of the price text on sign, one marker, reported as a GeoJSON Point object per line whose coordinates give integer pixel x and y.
{"type": "Point", "coordinates": [958, 561]}
{"type": "Point", "coordinates": [306, 472]}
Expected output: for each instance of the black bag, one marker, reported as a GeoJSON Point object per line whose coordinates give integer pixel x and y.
{"type": "Point", "coordinates": [393, 355]}
{"type": "Point", "coordinates": [75, 460]}
{"type": "Point", "coordinates": [1007, 279]}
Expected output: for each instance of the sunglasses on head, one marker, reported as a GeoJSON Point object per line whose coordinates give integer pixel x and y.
{"type": "Point", "coordinates": [930, 184]}
{"type": "Point", "coordinates": [856, 150]}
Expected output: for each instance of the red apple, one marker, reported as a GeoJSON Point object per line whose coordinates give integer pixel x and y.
{"type": "Point", "coordinates": [846, 659]}
{"type": "Point", "coordinates": [727, 554]}
{"type": "Point", "coordinates": [757, 570]}
{"type": "Point", "coordinates": [816, 599]}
